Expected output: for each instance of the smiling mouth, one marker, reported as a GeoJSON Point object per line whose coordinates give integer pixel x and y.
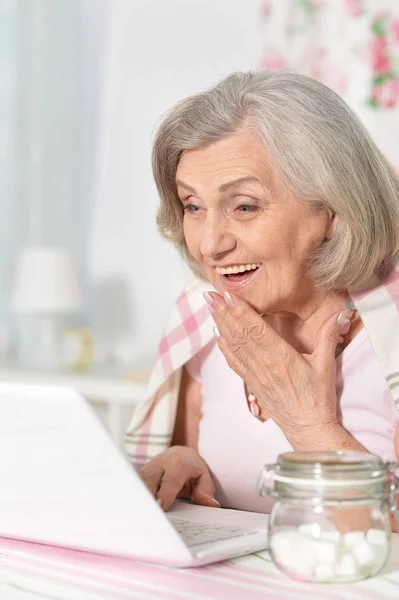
{"type": "Point", "coordinates": [238, 273]}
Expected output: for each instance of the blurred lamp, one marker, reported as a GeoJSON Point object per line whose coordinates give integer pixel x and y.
{"type": "Point", "coordinates": [47, 285]}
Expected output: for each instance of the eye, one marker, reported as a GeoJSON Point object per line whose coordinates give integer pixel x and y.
{"type": "Point", "coordinates": [190, 208]}
{"type": "Point", "coordinates": [244, 205]}
{"type": "Point", "coordinates": [246, 208]}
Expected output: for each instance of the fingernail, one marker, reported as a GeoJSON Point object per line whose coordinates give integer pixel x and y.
{"type": "Point", "coordinates": [350, 304]}
{"type": "Point", "coordinates": [216, 333]}
{"type": "Point", "coordinates": [210, 301]}
{"type": "Point", "coordinates": [343, 317]}
{"type": "Point", "coordinates": [160, 502]}
{"type": "Point", "coordinates": [346, 326]}
{"type": "Point", "coordinates": [215, 502]}
{"type": "Point", "coordinates": [254, 408]}
{"type": "Point", "coordinates": [228, 298]}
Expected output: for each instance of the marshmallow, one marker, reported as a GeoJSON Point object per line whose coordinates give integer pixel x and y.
{"type": "Point", "coordinates": [330, 536]}
{"type": "Point", "coordinates": [326, 552]}
{"type": "Point", "coordinates": [311, 530]}
{"type": "Point", "coordinates": [324, 572]}
{"type": "Point", "coordinates": [294, 552]}
{"type": "Point", "coordinates": [364, 554]}
{"type": "Point", "coordinates": [292, 544]}
{"type": "Point", "coordinates": [353, 538]}
{"type": "Point", "coordinates": [347, 566]}
{"type": "Point", "coordinates": [285, 542]}
{"type": "Point", "coordinates": [302, 568]}
{"type": "Point", "coordinates": [329, 555]}
{"type": "Point", "coordinates": [377, 536]}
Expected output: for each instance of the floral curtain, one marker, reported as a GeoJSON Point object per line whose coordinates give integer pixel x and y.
{"type": "Point", "coordinates": [351, 46]}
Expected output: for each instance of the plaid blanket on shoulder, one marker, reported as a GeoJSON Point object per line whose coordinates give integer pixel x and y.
{"type": "Point", "coordinates": [190, 328]}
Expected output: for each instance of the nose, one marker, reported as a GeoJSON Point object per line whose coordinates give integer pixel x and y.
{"type": "Point", "coordinates": [217, 238]}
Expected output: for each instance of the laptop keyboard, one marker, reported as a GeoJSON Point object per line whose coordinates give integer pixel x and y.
{"type": "Point", "coordinates": [194, 533]}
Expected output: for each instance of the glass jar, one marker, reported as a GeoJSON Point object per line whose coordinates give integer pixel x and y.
{"type": "Point", "coordinates": [330, 521]}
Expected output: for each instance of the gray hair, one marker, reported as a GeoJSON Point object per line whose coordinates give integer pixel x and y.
{"type": "Point", "coordinates": [322, 151]}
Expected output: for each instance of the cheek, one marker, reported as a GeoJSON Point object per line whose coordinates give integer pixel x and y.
{"type": "Point", "coordinates": [313, 234]}
{"type": "Point", "coordinates": [301, 235]}
{"type": "Point", "coordinates": [192, 236]}
{"type": "Point", "coordinates": [267, 243]}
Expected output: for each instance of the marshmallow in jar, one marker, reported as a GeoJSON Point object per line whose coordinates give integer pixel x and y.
{"type": "Point", "coordinates": [330, 521]}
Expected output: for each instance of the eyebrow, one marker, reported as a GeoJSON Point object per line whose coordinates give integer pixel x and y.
{"type": "Point", "coordinates": [224, 186]}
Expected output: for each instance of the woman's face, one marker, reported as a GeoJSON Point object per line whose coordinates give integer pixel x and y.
{"type": "Point", "coordinates": [244, 227]}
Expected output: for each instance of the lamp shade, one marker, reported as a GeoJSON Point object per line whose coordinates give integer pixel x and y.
{"type": "Point", "coordinates": [46, 281]}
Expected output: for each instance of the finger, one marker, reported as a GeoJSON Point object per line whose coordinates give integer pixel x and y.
{"type": "Point", "coordinates": [152, 475]}
{"type": "Point", "coordinates": [171, 485]}
{"type": "Point", "coordinates": [240, 325]}
{"type": "Point", "coordinates": [204, 491]}
{"type": "Point", "coordinates": [249, 372]}
{"type": "Point", "coordinates": [329, 336]}
{"type": "Point", "coordinates": [237, 361]}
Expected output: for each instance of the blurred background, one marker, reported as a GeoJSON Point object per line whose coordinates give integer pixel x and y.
{"type": "Point", "coordinates": [86, 281]}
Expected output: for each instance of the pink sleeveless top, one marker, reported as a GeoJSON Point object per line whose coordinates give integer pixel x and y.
{"type": "Point", "coordinates": [235, 445]}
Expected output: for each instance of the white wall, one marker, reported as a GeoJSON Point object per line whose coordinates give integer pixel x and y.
{"type": "Point", "coordinates": [158, 52]}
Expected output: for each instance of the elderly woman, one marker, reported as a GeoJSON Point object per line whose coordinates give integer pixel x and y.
{"type": "Point", "coordinates": [279, 200]}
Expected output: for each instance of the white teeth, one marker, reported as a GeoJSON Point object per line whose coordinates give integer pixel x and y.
{"type": "Point", "coordinates": [237, 269]}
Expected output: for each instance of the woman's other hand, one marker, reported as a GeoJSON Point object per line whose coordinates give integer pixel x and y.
{"type": "Point", "coordinates": [296, 390]}
{"type": "Point", "coordinates": [179, 472]}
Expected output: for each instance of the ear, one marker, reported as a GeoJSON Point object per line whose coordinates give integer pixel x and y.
{"type": "Point", "coordinates": [333, 223]}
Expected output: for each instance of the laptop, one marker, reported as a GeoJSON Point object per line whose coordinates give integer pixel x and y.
{"type": "Point", "coordinates": [65, 483]}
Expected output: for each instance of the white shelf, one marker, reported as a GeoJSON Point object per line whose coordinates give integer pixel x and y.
{"type": "Point", "coordinates": [112, 388]}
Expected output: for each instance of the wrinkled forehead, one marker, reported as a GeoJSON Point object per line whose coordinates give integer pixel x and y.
{"type": "Point", "coordinates": [241, 156]}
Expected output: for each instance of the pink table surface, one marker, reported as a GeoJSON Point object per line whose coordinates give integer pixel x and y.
{"type": "Point", "coordinates": [44, 572]}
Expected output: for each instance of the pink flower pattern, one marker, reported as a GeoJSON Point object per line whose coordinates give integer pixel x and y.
{"type": "Point", "coordinates": [386, 94]}
{"type": "Point", "coordinates": [273, 60]}
{"type": "Point", "coordinates": [265, 8]}
{"type": "Point", "coordinates": [385, 75]}
{"type": "Point", "coordinates": [354, 8]}
{"type": "Point", "coordinates": [395, 30]}
{"type": "Point", "coordinates": [380, 61]}
{"type": "Point", "coordinates": [302, 46]}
